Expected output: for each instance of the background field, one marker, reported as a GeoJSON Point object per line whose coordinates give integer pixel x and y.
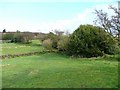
{"type": "Point", "coordinates": [15, 48]}
{"type": "Point", "coordinates": [52, 70]}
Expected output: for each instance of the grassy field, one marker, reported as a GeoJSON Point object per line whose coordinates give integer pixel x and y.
{"type": "Point", "coordinates": [14, 48]}
{"type": "Point", "coordinates": [52, 70]}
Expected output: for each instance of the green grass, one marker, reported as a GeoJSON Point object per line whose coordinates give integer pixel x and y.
{"type": "Point", "coordinates": [14, 48]}
{"type": "Point", "coordinates": [52, 70]}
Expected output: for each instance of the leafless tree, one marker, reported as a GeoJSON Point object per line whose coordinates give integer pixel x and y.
{"type": "Point", "coordinates": [58, 32]}
{"type": "Point", "coordinates": [110, 24]}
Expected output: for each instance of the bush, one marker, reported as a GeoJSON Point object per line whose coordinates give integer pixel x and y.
{"type": "Point", "coordinates": [7, 36]}
{"type": "Point", "coordinates": [47, 44]}
{"type": "Point", "coordinates": [54, 39]}
{"type": "Point", "coordinates": [91, 41]}
{"type": "Point", "coordinates": [24, 37]}
{"type": "Point", "coordinates": [18, 37]}
{"type": "Point", "coordinates": [63, 43]}
{"type": "Point", "coordinates": [41, 37]}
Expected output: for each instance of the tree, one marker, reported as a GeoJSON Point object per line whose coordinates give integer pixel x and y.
{"type": "Point", "coordinates": [115, 21]}
{"type": "Point", "coordinates": [90, 41]}
{"type": "Point", "coordinates": [110, 25]}
{"type": "Point", "coordinates": [4, 30]}
{"type": "Point", "coordinates": [58, 32]}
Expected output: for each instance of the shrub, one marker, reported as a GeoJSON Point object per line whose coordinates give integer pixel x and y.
{"type": "Point", "coordinates": [41, 37]}
{"type": "Point", "coordinates": [54, 39]}
{"type": "Point", "coordinates": [7, 36]}
{"type": "Point", "coordinates": [27, 37]}
{"type": "Point", "coordinates": [63, 43]}
{"type": "Point", "coordinates": [47, 44]}
{"type": "Point", "coordinates": [18, 37]}
{"type": "Point", "coordinates": [24, 37]}
{"type": "Point", "coordinates": [90, 41]}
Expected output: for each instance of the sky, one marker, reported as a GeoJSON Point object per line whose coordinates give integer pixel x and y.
{"type": "Point", "coordinates": [47, 15]}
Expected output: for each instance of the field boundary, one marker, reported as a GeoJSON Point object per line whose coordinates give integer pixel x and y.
{"type": "Point", "coordinates": [25, 54]}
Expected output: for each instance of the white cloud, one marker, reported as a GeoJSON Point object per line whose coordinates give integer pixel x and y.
{"type": "Point", "coordinates": [88, 16]}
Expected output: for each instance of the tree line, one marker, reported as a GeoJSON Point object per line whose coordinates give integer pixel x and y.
{"type": "Point", "coordinates": [17, 37]}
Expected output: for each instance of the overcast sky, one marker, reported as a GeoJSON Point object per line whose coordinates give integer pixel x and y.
{"type": "Point", "coordinates": [47, 15]}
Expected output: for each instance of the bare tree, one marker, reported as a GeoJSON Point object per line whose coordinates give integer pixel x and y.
{"type": "Point", "coordinates": [103, 20]}
{"type": "Point", "coordinates": [112, 24]}
{"type": "Point", "coordinates": [58, 32]}
{"type": "Point", "coordinates": [115, 21]}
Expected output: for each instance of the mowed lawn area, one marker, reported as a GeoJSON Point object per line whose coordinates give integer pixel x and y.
{"type": "Point", "coordinates": [15, 48]}
{"type": "Point", "coordinates": [53, 70]}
